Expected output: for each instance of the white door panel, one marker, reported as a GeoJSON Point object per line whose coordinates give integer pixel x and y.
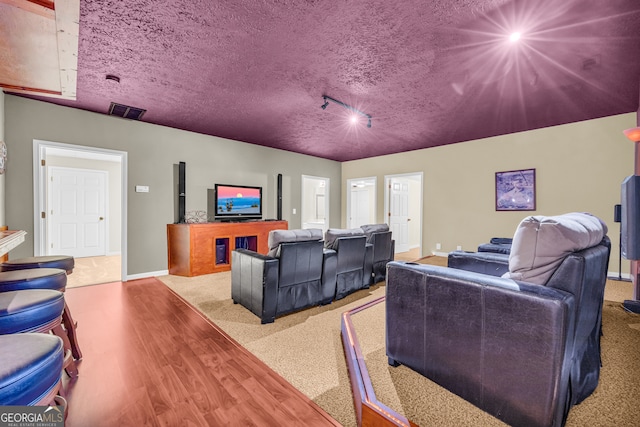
{"type": "Point", "coordinates": [360, 214]}
{"type": "Point", "coordinates": [76, 214]}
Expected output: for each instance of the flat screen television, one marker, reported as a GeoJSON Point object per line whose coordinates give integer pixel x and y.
{"type": "Point", "coordinates": [235, 202]}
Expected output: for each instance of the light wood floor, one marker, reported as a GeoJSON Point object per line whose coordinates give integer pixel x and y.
{"type": "Point", "coordinates": [410, 255]}
{"type": "Point", "coordinates": [151, 359]}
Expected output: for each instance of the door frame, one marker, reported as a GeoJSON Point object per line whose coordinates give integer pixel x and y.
{"type": "Point", "coordinates": [40, 195]}
{"type": "Point", "coordinates": [353, 182]}
{"type": "Point", "coordinates": [327, 199]}
{"type": "Point", "coordinates": [418, 176]}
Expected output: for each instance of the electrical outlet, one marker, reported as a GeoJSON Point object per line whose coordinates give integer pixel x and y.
{"type": "Point", "coordinates": [294, 211]}
{"type": "Point", "coordinates": [438, 246]}
{"type": "Point", "coordinates": [459, 248]}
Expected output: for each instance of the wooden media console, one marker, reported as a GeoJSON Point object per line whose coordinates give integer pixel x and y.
{"type": "Point", "coordinates": [196, 249]}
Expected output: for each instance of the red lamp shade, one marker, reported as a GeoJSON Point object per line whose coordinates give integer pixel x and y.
{"type": "Point", "coordinates": [633, 134]}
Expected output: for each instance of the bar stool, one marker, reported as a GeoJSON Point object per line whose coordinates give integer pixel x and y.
{"type": "Point", "coordinates": [63, 262]}
{"type": "Point", "coordinates": [36, 310]}
{"type": "Point", "coordinates": [30, 366]}
{"type": "Point", "coordinates": [43, 278]}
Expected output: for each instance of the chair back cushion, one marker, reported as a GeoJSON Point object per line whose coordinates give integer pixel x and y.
{"type": "Point", "coordinates": [370, 229]}
{"type": "Point", "coordinates": [287, 236]}
{"type": "Point", "coordinates": [541, 243]}
{"type": "Point", "coordinates": [332, 234]}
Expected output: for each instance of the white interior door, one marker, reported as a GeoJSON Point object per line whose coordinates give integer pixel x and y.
{"type": "Point", "coordinates": [361, 201]}
{"type": "Point", "coordinates": [76, 212]}
{"type": "Point", "coordinates": [399, 212]}
{"type": "Point", "coordinates": [359, 207]}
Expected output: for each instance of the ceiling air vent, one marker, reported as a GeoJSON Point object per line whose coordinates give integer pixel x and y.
{"type": "Point", "coordinates": [126, 111]}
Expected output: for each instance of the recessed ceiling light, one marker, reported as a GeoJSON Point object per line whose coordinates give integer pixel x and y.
{"type": "Point", "coordinates": [514, 37]}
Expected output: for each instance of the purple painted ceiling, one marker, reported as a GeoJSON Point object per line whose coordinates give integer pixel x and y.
{"type": "Point", "coordinates": [429, 72]}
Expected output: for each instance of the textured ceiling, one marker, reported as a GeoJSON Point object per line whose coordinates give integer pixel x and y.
{"type": "Point", "coordinates": [428, 72]}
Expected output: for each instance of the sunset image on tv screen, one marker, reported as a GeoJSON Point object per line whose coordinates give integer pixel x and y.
{"type": "Point", "coordinates": [238, 200]}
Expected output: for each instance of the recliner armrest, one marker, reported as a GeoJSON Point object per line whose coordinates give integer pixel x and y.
{"type": "Point", "coordinates": [329, 273]}
{"type": "Point", "coordinates": [393, 250]}
{"type": "Point", "coordinates": [254, 283]}
{"type": "Point", "coordinates": [367, 278]}
{"type": "Point", "coordinates": [493, 264]}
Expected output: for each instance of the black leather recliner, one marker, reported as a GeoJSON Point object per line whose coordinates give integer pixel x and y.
{"type": "Point", "coordinates": [500, 245]}
{"type": "Point", "coordinates": [524, 349]}
{"type": "Point", "coordinates": [297, 273]}
{"type": "Point", "coordinates": [383, 248]}
{"type": "Point", "coordinates": [492, 263]}
{"type": "Point", "coordinates": [355, 259]}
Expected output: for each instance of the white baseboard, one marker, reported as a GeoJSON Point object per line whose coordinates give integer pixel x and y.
{"type": "Point", "coordinates": [614, 275]}
{"type": "Point", "coordinates": [444, 254]}
{"type": "Point", "coordinates": [147, 275]}
{"type": "Point", "coordinates": [114, 253]}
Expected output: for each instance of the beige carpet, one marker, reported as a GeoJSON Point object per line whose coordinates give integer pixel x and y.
{"type": "Point", "coordinates": [306, 349]}
{"type": "Point", "coordinates": [95, 270]}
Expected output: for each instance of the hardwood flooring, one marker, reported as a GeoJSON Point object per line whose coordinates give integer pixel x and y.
{"type": "Point", "coordinates": [151, 359]}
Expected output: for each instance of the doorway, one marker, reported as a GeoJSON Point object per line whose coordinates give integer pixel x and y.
{"type": "Point", "coordinates": [361, 201]}
{"type": "Point", "coordinates": [403, 210]}
{"type": "Point", "coordinates": [314, 212]}
{"type": "Point", "coordinates": [82, 212]}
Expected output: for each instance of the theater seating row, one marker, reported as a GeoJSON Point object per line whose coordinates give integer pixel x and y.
{"type": "Point", "coordinates": [304, 268]}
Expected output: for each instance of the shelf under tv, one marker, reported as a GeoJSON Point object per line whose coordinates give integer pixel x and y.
{"type": "Point", "coordinates": [197, 249]}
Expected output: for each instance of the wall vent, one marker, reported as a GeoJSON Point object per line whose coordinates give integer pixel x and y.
{"type": "Point", "coordinates": [126, 111]}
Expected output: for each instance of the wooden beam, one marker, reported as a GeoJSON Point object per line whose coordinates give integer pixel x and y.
{"type": "Point", "coordinates": [36, 7]}
{"type": "Point", "coordinates": [39, 46]}
{"type": "Point", "coordinates": [68, 34]}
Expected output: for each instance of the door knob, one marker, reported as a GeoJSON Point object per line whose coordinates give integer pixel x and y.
{"type": "Point", "coordinates": [101, 218]}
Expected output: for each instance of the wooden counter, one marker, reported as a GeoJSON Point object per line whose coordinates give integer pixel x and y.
{"type": "Point", "coordinates": [9, 239]}
{"type": "Point", "coordinates": [196, 249]}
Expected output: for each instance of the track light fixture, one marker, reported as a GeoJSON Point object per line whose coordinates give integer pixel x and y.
{"type": "Point", "coordinates": [348, 107]}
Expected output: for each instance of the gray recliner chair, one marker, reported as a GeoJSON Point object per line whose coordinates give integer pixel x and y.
{"type": "Point", "coordinates": [296, 273]}
{"type": "Point", "coordinates": [524, 347]}
{"type": "Point", "coordinates": [383, 248]}
{"type": "Point", "coordinates": [354, 257]}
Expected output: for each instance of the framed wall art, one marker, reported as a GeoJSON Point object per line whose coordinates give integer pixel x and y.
{"type": "Point", "coordinates": [516, 190]}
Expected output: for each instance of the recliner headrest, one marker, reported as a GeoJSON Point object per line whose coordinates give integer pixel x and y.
{"type": "Point", "coordinates": [276, 237]}
{"type": "Point", "coordinates": [369, 229]}
{"type": "Point", "coordinates": [333, 234]}
{"type": "Point", "coordinates": [541, 243]}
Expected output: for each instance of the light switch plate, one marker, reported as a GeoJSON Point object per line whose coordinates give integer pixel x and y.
{"type": "Point", "coordinates": [142, 188]}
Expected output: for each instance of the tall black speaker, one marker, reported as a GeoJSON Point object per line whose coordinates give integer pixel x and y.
{"type": "Point", "coordinates": [182, 187]}
{"type": "Point", "coordinates": [630, 218]}
{"type": "Point", "coordinates": [279, 200]}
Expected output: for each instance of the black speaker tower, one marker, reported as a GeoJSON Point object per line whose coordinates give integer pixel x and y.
{"type": "Point", "coordinates": [182, 197]}
{"type": "Point", "coordinates": [617, 217]}
{"type": "Point", "coordinates": [630, 218]}
{"type": "Point", "coordinates": [630, 232]}
{"type": "Point", "coordinates": [279, 200]}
